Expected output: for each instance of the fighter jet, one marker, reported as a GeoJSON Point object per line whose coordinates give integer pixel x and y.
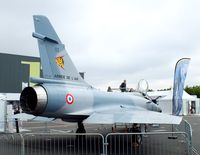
{"type": "Point", "coordinates": [62, 93]}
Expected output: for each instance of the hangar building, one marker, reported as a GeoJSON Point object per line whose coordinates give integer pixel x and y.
{"type": "Point", "coordinates": [15, 72]}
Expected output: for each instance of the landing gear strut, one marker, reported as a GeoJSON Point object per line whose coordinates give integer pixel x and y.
{"type": "Point", "coordinates": [80, 128]}
{"type": "Point", "coordinates": [80, 138]}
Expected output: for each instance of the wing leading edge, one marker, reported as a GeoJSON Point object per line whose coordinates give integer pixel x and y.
{"type": "Point", "coordinates": [132, 116]}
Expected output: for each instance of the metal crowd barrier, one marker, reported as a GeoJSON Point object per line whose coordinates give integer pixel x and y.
{"type": "Point", "coordinates": [10, 144]}
{"type": "Point", "coordinates": [94, 144]}
{"type": "Point", "coordinates": [65, 143]}
{"type": "Point", "coordinates": [61, 144]}
{"type": "Point", "coordinates": [185, 127]}
{"type": "Point", "coordinates": [151, 144]}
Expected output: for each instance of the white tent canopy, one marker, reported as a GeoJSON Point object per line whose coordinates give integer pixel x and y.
{"type": "Point", "coordinates": [165, 101]}
{"type": "Point", "coordinates": [186, 96]}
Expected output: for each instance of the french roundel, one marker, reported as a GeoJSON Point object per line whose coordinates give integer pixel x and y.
{"type": "Point", "coordinates": [69, 98]}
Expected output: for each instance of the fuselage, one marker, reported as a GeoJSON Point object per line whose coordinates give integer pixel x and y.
{"type": "Point", "coordinates": [75, 103]}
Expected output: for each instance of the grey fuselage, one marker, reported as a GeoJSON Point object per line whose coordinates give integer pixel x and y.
{"type": "Point", "coordinates": [51, 100]}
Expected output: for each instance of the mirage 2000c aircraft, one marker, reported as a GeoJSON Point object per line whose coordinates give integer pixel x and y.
{"type": "Point", "coordinates": [62, 93]}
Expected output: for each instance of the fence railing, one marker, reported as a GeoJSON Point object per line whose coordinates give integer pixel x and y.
{"type": "Point", "coordinates": [94, 144]}
{"type": "Point", "coordinates": [185, 127]}
{"type": "Point", "coordinates": [70, 143]}
{"type": "Point", "coordinates": [149, 143]}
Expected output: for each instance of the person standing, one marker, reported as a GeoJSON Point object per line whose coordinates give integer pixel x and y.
{"type": "Point", "coordinates": [122, 87]}
{"type": "Point", "coordinates": [109, 89]}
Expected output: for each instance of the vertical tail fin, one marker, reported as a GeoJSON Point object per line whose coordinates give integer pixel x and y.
{"type": "Point", "coordinates": [56, 63]}
{"type": "Point", "coordinates": [179, 79]}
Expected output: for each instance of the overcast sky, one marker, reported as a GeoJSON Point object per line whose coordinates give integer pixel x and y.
{"type": "Point", "coordinates": [112, 40]}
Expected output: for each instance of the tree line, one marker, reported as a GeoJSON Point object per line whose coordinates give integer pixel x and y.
{"type": "Point", "coordinates": [194, 90]}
